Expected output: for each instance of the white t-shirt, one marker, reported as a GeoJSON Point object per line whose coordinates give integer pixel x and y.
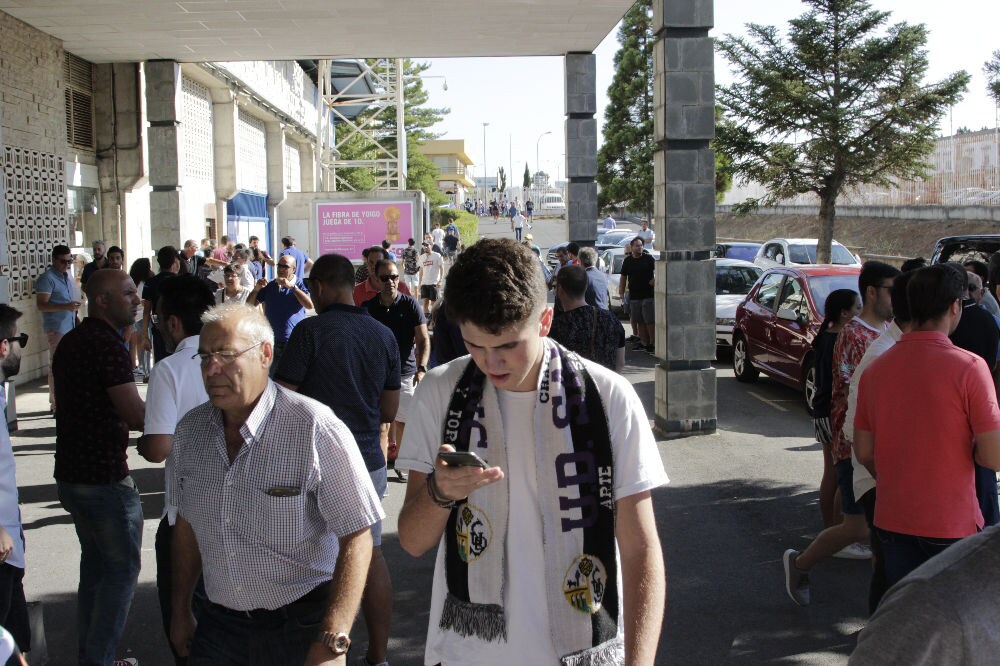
{"type": "Point", "coordinates": [438, 235]}
{"type": "Point", "coordinates": [518, 221]}
{"type": "Point", "coordinates": [638, 467]}
{"type": "Point", "coordinates": [431, 263]}
{"type": "Point", "coordinates": [175, 388]}
{"type": "Point", "coordinates": [646, 236]}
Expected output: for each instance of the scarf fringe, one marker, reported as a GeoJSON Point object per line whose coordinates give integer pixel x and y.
{"type": "Point", "coordinates": [485, 621]}
{"type": "Point", "coordinates": [611, 653]}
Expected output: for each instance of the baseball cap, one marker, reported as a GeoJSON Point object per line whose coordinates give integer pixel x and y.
{"type": "Point", "coordinates": [528, 237]}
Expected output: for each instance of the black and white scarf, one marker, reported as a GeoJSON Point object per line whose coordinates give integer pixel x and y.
{"type": "Point", "coordinates": [575, 475]}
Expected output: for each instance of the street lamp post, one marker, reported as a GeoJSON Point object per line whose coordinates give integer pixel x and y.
{"type": "Point", "coordinates": [485, 172]}
{"type": "Point", "coordinates": [537, 163]}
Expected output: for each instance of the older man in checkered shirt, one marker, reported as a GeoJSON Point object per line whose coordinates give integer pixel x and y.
{"type": "Point", "coordinates": [273, 501]}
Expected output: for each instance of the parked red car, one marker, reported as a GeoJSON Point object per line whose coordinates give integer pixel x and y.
{"type": "Point", "coordinates": [776, 323]}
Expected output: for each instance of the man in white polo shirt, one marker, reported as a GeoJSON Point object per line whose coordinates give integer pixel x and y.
{"type": "Point", "coordinates": [175, 387]}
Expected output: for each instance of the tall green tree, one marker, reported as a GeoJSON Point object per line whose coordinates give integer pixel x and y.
{"type": "Point", "coordinates": [992, 71]}
{"type": "Point", "coordinates": [501, 180]}
{"type": "Point", "coordinates": [842, 102]}
{"type": "Point", "coordinates": [625, 160]}
{"type": "Point", "coordinates": [526, 181]}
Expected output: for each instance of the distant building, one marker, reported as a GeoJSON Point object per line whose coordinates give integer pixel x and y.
{"type": "Point", "coordinates": [449, 156]}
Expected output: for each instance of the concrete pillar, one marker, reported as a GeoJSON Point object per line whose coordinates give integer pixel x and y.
{"type": "Point", "coordinates": [166, 152]}
{"type": "Point", "coordinates": [684, 216]}
{"type": "Point", "coordinates": [224, 114]}
{"type": "Point", "coordinates": [307, 168]}
{"type": "Point", "coordinates": [274, 142]}
{"type": "Point", "coordinates": [117, 131]}
{"type": "Point", "coordinates": [581, 147]}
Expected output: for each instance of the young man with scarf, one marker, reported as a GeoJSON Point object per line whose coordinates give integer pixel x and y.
{"type": "Point", "coordinates": [564, 500]}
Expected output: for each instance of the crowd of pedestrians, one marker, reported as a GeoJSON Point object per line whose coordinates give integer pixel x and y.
{"type": "Point", "coordinates": [907, 413]}
{"type": "Point", "coordinates": [277, 430]}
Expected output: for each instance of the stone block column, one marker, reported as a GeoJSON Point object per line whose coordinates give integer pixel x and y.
{"type": "Point", "coordinates": [581, 147]}
{"type": "Point", "coordinates": [166, 152]}
{"type": "Point", "coordinates": [684, 216]}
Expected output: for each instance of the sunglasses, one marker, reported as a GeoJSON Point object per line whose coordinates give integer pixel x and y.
{"type": "Point", "coordinates": [391, 276]}
{"type": "Point", "coordinates": [20, 339]}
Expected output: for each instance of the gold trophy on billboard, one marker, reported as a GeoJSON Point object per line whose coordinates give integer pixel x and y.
{"type": "Point", "coordinates": [391, 215]}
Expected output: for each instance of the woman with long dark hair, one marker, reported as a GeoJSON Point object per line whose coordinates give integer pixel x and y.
{"type": "Point", "coordinates": [140, 271]}
{"type": "Point", "coordinates": [841, 306]}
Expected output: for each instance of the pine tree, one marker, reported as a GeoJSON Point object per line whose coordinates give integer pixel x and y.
{"type": "Point", "coordinates": [526, 181]}
{"type": "Point", "coordinates": [625, 160]}
{"type": "Point", "coordinates": [992, 71]}
{"type": "Point", "coordinates": [841, 103]}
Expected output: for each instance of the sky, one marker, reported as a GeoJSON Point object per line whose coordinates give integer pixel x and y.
{"type": "Point", "coordinates": [522, 98]}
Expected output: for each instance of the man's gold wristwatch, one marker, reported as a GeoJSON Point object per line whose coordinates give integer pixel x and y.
{"type": "Point", "coordinates": [337, 643]}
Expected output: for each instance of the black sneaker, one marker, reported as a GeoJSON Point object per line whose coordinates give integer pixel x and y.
{"type": "Point", "coordinates": [632, 338]}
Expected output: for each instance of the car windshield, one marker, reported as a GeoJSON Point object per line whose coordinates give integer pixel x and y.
{"type": "Point", "coordinates": [806, 254]}
{"type": "Point", "coordinates": [822, 285]}
{"type": "Point", "coordinates": [744, 252]}
{"type": "Point", "coordinates": [735, 279]}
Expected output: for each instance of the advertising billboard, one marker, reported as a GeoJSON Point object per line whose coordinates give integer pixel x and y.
{"type": "Point", "coordinates": [348, 227]}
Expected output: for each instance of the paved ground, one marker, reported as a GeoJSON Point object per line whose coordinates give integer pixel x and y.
{"type": "Point", "coordinates": [736, 500]}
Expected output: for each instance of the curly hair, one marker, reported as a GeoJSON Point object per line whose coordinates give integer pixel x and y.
{"type": "Point", "coordinates": [495, 284]}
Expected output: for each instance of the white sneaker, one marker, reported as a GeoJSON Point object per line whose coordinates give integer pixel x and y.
{"type": "Point", "coordinates": [855, 551]}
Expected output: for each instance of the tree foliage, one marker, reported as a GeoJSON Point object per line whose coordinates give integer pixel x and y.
{"type": "Point", "coordinates": [841, 103]}
{"type": "Point", "coordinates": [625, 160]}
{"type": "Point", "coordinates": [526, 181]}
{"type": "Point", "coordinates": [501, 180]}
{"type": "Point", "coordinates": [992, 71]}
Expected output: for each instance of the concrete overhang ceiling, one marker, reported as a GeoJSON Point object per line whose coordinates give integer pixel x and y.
{"type": "Point", "coordinates": [220, 30]}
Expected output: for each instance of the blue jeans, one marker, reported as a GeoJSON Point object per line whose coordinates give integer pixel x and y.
{"type": "Point", "coordinates": [905, 552]}
{"type": "Point", "coordinates": [108, 521]}
{"type": "Point", "coordinates": [225, 638]}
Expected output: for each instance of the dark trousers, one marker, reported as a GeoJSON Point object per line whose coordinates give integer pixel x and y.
{"type": "Point", "coordinates": [229, 638]}
{"type": "Point", "coordinates": [878, 586]}
{"type": "Point", "coordinates": [13, 608]}
{"type": "Point", "coordinates": [986, 493]}
{"type": "Point", "coordinates": [906, 552]}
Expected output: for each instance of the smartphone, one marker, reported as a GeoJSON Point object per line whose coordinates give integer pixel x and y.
{"type": "Point", "coordinates": [462, 459]}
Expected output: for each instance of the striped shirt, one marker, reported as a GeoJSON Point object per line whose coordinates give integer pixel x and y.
{"type": "Point", "coordinates": [268, 524]}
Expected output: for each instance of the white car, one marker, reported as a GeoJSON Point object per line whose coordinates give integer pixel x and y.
{"type": "Point", "coordinates": [800, 252]}
{"type": "Point", "coordinates": [612, 260]}
{"type": "Point", "coordinates": [734, 278]}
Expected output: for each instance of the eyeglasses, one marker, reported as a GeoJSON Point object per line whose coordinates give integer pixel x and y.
{"type": "Point", "coordinates": [390, 276]}
{"type": "Point", "coordinates": [223, 357]}
{"type": "Point", "coordinates": [20, 339]}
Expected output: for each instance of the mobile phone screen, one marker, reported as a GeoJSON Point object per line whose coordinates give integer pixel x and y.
{"type": "Point", "coordinates": [462, 459]}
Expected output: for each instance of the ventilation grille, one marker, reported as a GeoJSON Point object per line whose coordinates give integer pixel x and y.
{"type": "Point", "coordinates": [79, 102]}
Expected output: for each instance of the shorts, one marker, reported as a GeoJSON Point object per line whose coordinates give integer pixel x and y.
{"type": "Point", "coordinates": [641, 310]}
{"type": "Point", "coordinates": [429, 291]}
{"type": "Point", "coordinates": [405, 398]}
{"type": "Point", "coordinates": [845, 481]}
{"type": "Point", "coordinates": [380, 480]}
{"type": "Point", "coordinates": [411, 280]}
{"type": "Point", "coordinates": [821, 426]}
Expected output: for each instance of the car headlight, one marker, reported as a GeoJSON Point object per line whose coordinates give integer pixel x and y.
{"type": "Point", "coordinates": [725, 321]}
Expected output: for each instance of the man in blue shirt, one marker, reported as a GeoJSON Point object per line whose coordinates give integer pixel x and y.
{"type": "Point", "coordinates": [56, 299]}
{"type": "Point", "coordinates": [13, 609]}
{"type": "Point", "coordinates": [285, 300]}
{"type": "Point", "coordinates": [348, 361]}
{"type": "Point", "coordinates": [302, 263]}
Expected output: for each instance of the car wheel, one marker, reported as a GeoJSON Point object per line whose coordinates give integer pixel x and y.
{"type": "Point", "coordinates": [809, 383]}
{"type": "Point", "coordinates": [745, 372]}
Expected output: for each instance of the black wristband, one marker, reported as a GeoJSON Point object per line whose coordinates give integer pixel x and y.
{"type": "Point", "coordinates": [434, 493]}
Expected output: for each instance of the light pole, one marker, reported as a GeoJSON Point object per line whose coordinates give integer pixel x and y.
{"type": "Point", "coordinates": [486, 196]}
{"type": "Point", "coordinates": [537, 163]}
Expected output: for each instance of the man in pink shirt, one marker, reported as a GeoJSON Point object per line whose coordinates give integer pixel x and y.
{"type": "Point", "coordinates": [927, 411]}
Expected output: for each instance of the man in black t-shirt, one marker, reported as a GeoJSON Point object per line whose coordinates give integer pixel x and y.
{"type": "Point", "coordinates": [169, 262]}
{"type": "Point", "coordinates": [637, 274]}
{"type": "Point", "coordinates": [405, 318]}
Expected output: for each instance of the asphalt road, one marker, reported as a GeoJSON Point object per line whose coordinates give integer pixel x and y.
{"type": "Point", "coordinates": [736, 500]}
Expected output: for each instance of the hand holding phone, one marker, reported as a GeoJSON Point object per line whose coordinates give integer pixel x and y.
{"type": "Point", "coordinates": [462, 459]}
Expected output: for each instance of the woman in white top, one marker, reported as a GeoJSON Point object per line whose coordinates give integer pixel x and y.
{"type": "Point", "coordinates": [233, 290]}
